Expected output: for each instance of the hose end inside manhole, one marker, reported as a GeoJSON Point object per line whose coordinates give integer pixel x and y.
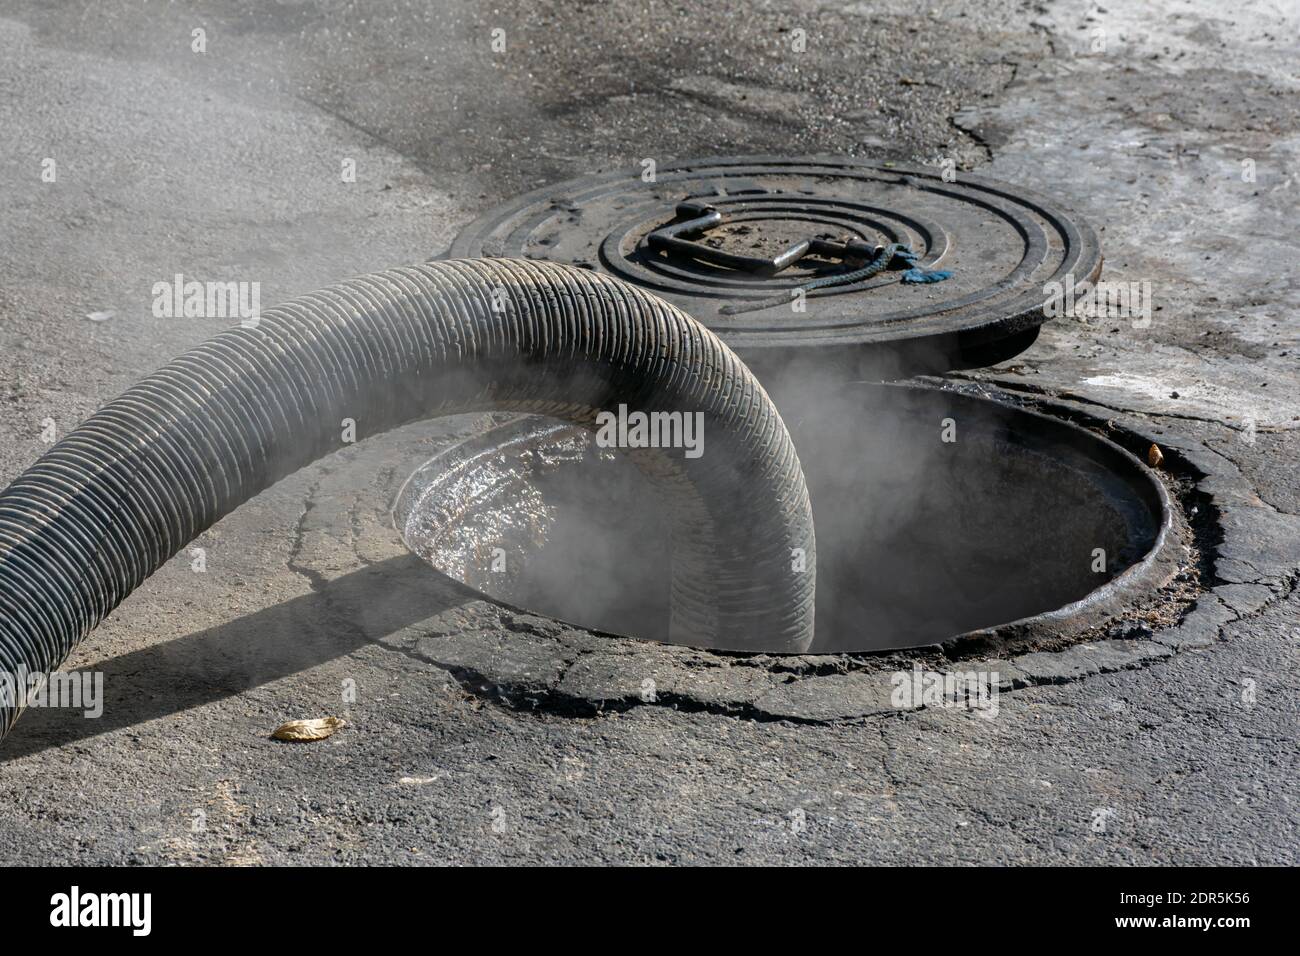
{"type": "Point", "coordinates": [938, 514]}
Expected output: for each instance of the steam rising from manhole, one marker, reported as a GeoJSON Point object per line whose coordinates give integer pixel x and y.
{"type": "Point", "coordinates": [937, 514]}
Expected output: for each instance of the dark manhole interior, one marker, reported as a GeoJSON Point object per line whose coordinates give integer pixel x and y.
{"type": "Point", "coordinates": [919, 539]}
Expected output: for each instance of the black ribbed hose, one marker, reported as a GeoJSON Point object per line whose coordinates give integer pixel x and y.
{"type": "Point", "coordinates": [129, 488]}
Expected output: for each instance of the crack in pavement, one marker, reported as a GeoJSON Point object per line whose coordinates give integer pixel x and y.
{"type": "Point", "coordinates": [1069, 395]}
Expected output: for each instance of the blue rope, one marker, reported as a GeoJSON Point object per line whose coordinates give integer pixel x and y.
{"type": "Point", "coordinates": [896, 255]}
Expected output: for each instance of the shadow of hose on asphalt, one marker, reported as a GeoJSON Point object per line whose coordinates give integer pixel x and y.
{"type": "Point", "coordinates": [337, 618]}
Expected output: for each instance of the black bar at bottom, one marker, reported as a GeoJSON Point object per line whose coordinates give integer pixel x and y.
{"type": "Point", "coordinates": [330, 906]}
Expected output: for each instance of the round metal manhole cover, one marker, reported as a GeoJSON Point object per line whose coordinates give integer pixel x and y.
{"type": "Point", "coordinates": [717, 235]}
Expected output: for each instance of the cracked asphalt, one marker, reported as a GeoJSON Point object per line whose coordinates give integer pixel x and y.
{"type": "Point", "coordinates": [478, 734]}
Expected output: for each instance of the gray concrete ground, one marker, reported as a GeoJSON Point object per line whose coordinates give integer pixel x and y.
{"type": "Point", "coordinates": [482, 735]}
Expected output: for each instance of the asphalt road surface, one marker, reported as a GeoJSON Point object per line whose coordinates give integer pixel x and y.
{"type": "Point", "coordinates": [480, 735]}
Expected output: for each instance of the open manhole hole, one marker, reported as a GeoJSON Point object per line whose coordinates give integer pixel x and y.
{"type": "Point", "coordinates": [937, 513]}
{"type": "Point", "coordinates": [919, 539]}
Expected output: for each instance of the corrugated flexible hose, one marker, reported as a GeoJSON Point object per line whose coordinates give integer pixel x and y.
{"type": "Point", "coordinates": [135, 483]}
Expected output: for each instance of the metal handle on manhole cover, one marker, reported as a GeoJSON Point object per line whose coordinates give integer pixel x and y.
{"type": "Point", "coordinates": [694, 219]}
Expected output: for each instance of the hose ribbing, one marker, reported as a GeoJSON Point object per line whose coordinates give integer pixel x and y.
{"type": "Point", "coordinates": [147, 473]}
